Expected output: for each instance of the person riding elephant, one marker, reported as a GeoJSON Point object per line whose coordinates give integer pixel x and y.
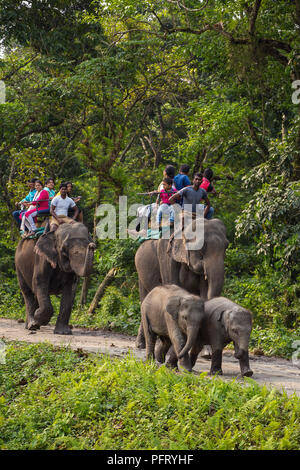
{"type": "Point", "coordinates": [170, 261]}
{"type": "Point", "coordinates": [52, 265]}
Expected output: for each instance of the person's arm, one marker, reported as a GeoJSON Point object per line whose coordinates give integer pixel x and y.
{"type": "Point", "coordinates": [76, 212]}
{"type": "Point", "coordinates": [175, 197]}
{"type": "Point", "coordinates": [26, 201]}
{"type": "Point", "coordinates": [211, 190]}
{"type": "Point", "coordinates": [207, 202]}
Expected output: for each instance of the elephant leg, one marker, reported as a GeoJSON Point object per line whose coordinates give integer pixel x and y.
{"type": "Point", "coordinates": [31, 304]}
{"type": "Point", "coordinates": [150, 338]}
{"type": "Point", "coordinates": [140, 339]}
{"type": "Point", "coordinates": [194, 353]}
{"type": "Point", "coordinates": [172, 361]}
{"type": "Point", "coordinates": [162, 347]}
{"type": "Point", "coordinates": [45, 310]}
{"type": "Point", "coordinates": [216, 361]}
{"type": "Point", "coordinates": [67, 299]}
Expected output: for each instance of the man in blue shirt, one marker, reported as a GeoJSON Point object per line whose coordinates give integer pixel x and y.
{"type": "Point", "coordinates": [182, 180]}
{"type": "Point", "coordinates": [192, 197]}
{"type": "Point", "coordinates": [28, 198]}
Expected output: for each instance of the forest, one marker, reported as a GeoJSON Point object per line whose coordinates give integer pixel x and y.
{"type": "Point", "coordinates": [107, 93]}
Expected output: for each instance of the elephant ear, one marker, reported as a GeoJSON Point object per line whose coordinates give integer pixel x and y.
{"type": "Point", "coordinates": [224, 317]}
{"type": "Point", "coordinates": [45, 248]}
{"type": "Point", "coordinates": [177, 249]}
{"type": "Point", "coordinates": [173, 306]}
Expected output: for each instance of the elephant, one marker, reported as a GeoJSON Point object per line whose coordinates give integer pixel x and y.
{"type": "Point", "coordinates": [168, 261]}
{"type": "Point", "coordinates": [174, 315]}
{"type": "Point", "coordinates": [52, 265]}
{"type": "Point", "coordinates": [224, 321]}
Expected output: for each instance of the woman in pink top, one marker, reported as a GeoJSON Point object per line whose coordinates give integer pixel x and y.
{"type": "Point", "coordinates": [164, 196]}
{"type": "Point", "coordinates": [39, 203]}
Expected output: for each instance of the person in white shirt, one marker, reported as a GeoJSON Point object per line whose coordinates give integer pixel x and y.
{"type": "Point", "coordinates": [59, 209]}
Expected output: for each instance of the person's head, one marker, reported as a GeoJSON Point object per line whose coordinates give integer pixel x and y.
{"type": "Point", "coordinates": [169, 171]}
{"type": "Point", "coordinates": [63, 190]}
{"type": "Point", "coordinates": [39, 185]}
{"type": "Point", "coordinates": [50, 183]}
{"type": "Point", "coordinates": [197, 180]}
{"type": "Point", "coordinates": [184, 169]}
{"type": "Point", "coordinates": [31, 183]}
{"type": "Point", "coordinates": [208, 173]}
{"type": "Point", "coordinates": [69, 187]}
{"type": "Point", "coordinates": [167, 183]}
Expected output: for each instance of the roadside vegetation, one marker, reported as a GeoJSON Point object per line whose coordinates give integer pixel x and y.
{"type": "Point", "coordinates": [54, 398]}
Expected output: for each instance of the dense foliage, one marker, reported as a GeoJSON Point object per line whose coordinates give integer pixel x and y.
{"type": "Point", "coordinates": [106, 93]}
{"type": "Point", "coordinates": [58, 399]}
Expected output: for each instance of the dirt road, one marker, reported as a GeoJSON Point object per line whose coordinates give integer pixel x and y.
{"type": "Point", "coordinates": [279, 373]}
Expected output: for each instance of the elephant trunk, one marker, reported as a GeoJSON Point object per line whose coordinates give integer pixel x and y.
{"type": "Point", "coordinates": [89, 258]}
{"type": "Point", "coordinates": [214, 272]}
{"type": "Point", "coordinates": [241, 348]}
{"type": "Point", "coordinates": [192, 333]}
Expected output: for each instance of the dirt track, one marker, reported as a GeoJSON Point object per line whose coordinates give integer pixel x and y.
{"type": "Point", "coordinates": [279, 373]}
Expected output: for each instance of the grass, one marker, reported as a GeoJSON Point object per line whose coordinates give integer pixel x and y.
{"type": "Point", "coordinates": [61, 399]}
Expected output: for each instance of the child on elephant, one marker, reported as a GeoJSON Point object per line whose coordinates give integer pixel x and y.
{"type": "Point", "coordinates": [163, 199]}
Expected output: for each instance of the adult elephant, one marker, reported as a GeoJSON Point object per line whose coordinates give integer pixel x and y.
{"type": "Point", "coordinates": [52, 265]}
{"type": "Point", "coordinates": [170, 261]}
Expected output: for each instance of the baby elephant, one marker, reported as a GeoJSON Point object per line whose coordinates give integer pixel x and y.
{"type": "Point", "coordinates": [225, 321]}
{"type": "Point", "coordinates": [175, 316]}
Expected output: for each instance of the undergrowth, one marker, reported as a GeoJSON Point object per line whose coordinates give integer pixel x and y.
{"type": "Point", "coordinates": [61, 399]}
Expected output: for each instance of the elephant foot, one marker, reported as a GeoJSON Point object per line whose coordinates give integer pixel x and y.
{"type": "Point", "coordinates": [140, 343]}
{"type": "Point", "coordinates": [62, 330]}
{"type": "Point", "coordinates": [247, 373]}
{"type": "Point", "coordinates": [32, 325]}
{"type": "Point", "coordinates": [171, 365]}
{"type": "Point", "coordinates": [216, 372]}
{"type": "Point", "coordinates": [206, 352]}
{"type": "Point", "coordinates": [41, 319]}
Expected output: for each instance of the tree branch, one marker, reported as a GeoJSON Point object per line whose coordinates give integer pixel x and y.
{"type": "Point", "coordinates": [253, 16]}
{"type": "Point", "coordinates": [182, 5]}
{"type": "Point", "coordinates": [9, 75]}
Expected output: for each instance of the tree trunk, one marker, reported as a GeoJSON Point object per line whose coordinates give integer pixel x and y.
{"type": "Point", "coordinates": [200, 157]}
{"type": "Point", "coordinates": [101, 289]}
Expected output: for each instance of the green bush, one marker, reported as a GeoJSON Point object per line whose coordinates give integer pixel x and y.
{"type": "Point", "coordinates": [119, 312]}
{"type": "Point", "coordinates": [274, 341]}
{"type": "Point", "coordinates": [59, 399]}
{"type": "Point", "coordinates": [271, 298]}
